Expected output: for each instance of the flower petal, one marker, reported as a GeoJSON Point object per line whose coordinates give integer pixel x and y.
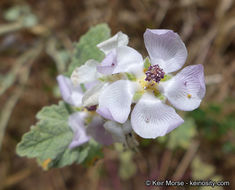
{"type": "Point", "coordinates": [151, 118]}
{"type": "Point", "coordinates": [104, 112]}
{"type": "Point", "coordinates": [118, 131]}
{"type": "Point", "coordinates": [116, 98]}
{"type": "Point", "coordinates": [166, 49]}
{"type": "Point", "coordinates": [127, 60]}
{"type": "Point", "coordinates": [120, 39]}
{"type": "Point", "coordinates": [85, 73]}
{"type": "Point", "coordinates": [91, 96]}
{"type": "Point", "coordinates": [186, 90]}
{"type": "Point", "coordinates": [70, 93]}
{"type": "Point", "coordinates": [98, 132]}
{"type": "Point", "coordinates": [76, 122]}
{"type": "Point", "coordinates": [108, 64]}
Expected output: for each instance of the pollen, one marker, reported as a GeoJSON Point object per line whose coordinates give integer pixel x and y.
{"type": "Point", "coordinates": [150, 86]}
{"type": "Point", "coordinates": [143, 83]}
{"type": "Point", "coordinates": [189, 96]}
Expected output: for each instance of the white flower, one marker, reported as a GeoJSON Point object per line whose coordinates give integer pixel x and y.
{"type": "Point", "coordinates": [86, 124]}
{"type": "Point", "coordinates": [151, 117]}
{"type": "Point", "coordinates": [114, 48]}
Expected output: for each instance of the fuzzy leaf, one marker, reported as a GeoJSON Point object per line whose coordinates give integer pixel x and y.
{"type": "Point", "coordinates": [69, 156]}
{"type": "Point", "coordinates": [86, 48]}
{"type": "Point", "coordinates": [48, 141]}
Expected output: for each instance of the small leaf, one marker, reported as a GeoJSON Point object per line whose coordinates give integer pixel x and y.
{"type": "Point", "coordinates": [48, 141]}
{"type": "Point", "coordinates": [86, 48]}
{"type": "Point", "coordinates": [51, 135]}
{"type": "Point", "coordinates": [69, 156]}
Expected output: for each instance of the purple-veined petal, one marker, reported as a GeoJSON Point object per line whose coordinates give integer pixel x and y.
{"type": "Point", "coordinates": [127, 60]}
{"type": "Point", "coordinates": [97, 131]}
{"type": "Point", "coordinates": [76, 123]}
{"type": "Point", "coordinates": [166, 49]}
{"type": "Point", "coordinates": [116, 99]}
{"type": "Point", "coordinates": [108, 64]}
{"type": "Point", "coordinates": [118, 131]}
{"type": "Point", "coordinates": [151, 118]}
{"type": "Point", "coordinates": [119, 39]}
{"type": "Point", "coordinates": [186, 90]}
{"type": "Point", "coordinates": [70, 93]}
{"type": "Point", "coordinates": [85, 73]}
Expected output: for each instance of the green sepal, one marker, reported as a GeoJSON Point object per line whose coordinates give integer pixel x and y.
{"type": "Point", "coordinates": [147, 63]}
{"type": "Point", "coordinates": [130, 76]}
{"type": "Point", "coordinates": [166, 77]}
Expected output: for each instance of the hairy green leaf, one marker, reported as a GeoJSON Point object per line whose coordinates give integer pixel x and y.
{"type": "Point", "coordinates": [51, 135]}
{"type": "Point", "coordinates": [48, 140]}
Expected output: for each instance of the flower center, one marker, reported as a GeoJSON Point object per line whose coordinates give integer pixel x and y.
{"type": "Point", "coordinates": [154, 73]}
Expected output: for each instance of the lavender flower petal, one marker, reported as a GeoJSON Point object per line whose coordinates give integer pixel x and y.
{"type": "Point", "coordinates": [118, 131]}
{"type": "Point", "coordinates": [86, 73]}
{"type": "Point", "coordinates": [108, 64]}
{"type": "Point", "coordinates": [91, 96]}
{"type": "Point", "coordinates": [117, 98]}
{"type": "Point", "coordinates": [70, 93]}
{"type": "Point", "coordinates": [98, 132]}
{"type": "Point", "coordinates": [166, 49]}
{"type": "Point", "coordinates": [120, 39]}
{"type": "Point", "coordinates": [186, 90]}
{"type": "Point", "coordinates": [127, 60]}
{"type": "Point", "coordinates": [76, 122]}
{"type": "Point", "coordinates": [151, 118]}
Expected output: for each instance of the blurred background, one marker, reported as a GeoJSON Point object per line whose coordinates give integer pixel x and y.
{"type": "Point", "coordinates": [36, 44]}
